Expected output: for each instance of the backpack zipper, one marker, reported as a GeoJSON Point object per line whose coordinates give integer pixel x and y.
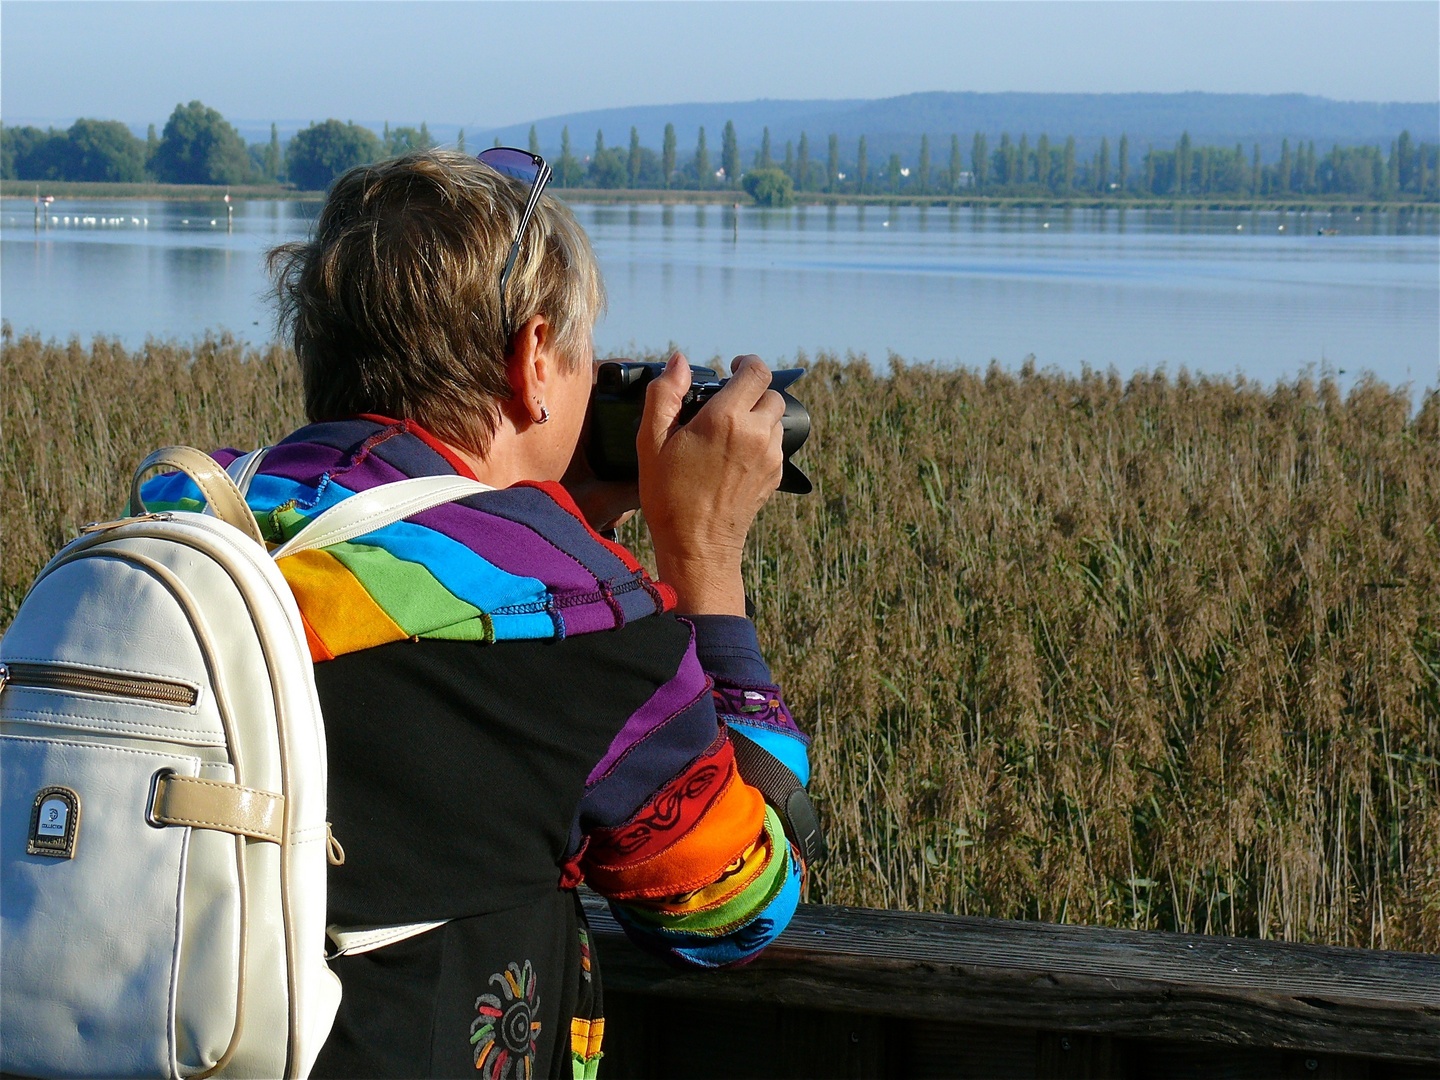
{"type": "Point", "coordinates": [60, 677]}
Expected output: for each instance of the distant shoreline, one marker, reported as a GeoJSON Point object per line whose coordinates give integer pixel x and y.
{"type": "Point", "coordinates": [24, 190]}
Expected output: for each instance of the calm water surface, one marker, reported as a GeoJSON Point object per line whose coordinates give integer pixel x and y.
{"type": "Point", "coordinates": [1263, 294]}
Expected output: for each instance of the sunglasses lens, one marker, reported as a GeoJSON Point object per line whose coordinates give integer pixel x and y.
{"type": "Point", "coordinates": [513, 163]}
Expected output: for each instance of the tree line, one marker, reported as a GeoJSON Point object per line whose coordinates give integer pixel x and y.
{"type": "Point", "coordinates": [1011, 168]}
{"type": "Point", "coordinates": [198, 145]}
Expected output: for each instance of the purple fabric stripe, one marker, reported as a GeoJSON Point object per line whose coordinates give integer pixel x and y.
{"type": "Point", "coordinates": [303, 462]}
{"type": "Point", "coordinates": [510, 546]}
{"type": "Point", "coordinates": [688, 683]}
{"type": "Point", "coordinates": [531, 506]}
{"type": "Point", "coordinates": [657, 760]}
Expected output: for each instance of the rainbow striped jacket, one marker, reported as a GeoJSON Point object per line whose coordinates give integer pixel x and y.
{"type": "Point", "coordinates": [695, 864]}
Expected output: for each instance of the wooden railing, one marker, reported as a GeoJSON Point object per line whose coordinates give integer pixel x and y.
{"type": "Point", "coordinates": [855, 992]}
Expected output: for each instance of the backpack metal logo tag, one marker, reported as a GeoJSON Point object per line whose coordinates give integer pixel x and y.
{"type": "Point", "coordinates": [54, 823]}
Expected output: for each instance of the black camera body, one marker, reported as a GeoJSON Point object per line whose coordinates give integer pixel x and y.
{"type": "Point", "coordinates": [618, 399]}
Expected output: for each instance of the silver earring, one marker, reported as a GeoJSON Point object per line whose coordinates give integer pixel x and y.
{"type": "Point", "coordinates": [544, 415]}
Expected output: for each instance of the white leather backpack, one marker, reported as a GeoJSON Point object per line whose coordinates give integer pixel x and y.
{"type": "Point", "coordinates": [163, 842]}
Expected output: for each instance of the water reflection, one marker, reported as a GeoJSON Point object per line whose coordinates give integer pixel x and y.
{"type": "Point", "coordinates": [1266, 293]}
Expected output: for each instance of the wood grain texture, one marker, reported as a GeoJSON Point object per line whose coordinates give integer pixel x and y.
{"type": "Point", "coordinates": [957, 969]}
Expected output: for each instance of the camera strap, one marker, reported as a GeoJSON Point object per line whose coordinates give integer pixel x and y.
{"type": "Point", "coordinates": [782, 789]}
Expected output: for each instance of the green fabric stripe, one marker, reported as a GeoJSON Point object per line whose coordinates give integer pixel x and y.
{"type": "Point", "coordinates": [406, 591]}
{"type": "Point", "coordinates": [719, 920]}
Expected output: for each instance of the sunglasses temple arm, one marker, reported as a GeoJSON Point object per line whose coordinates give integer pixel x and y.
{"type": "Point", "coordinates": [536, 190]}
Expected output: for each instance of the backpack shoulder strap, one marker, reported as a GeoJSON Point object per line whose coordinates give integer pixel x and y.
{"type": "Point", "coordinates": [367, 511]}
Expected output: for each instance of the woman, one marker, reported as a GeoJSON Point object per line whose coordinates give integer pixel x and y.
{"type": "Point", "coordinates": [512, 705]}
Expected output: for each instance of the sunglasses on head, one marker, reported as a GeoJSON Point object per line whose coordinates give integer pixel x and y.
{"type": "Point", "coordinates": [529, 169]}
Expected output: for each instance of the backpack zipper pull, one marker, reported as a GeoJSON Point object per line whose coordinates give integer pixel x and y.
{"type": "Point", "coordinates": [102, 526]}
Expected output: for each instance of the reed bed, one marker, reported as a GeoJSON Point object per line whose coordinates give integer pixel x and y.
{"type": "Point", "coordinates": [1159, 653]}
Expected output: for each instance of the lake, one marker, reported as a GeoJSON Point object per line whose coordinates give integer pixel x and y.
{"type": "Point", "coordinates": [1264, 294]}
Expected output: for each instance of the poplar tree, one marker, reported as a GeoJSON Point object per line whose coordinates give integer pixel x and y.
{"type": "Point", "coordinates": [460, 141]}
{"type": "Point", "coordinates": [1042, 160]}
{"type": "Point", "coordinates": [599, 142]}
{"type": "Point", "coordinates": [730, 155]}
{"type": "Point", "coordinates": [1104, 164]}
{"type": "Point", "coordinates": [1403, 154]}
{"type": "Point", "coordinates": [1067, 163]}
{"type": "Point", "coordinates": [1287, 165]}
{"type": "Point", "coordinates": [832, 163]}
{"type": "Point", "coordinates": [924, 177]}
{"type": "Point", "coordinates": [1256, 172]}
{"type": "Point", "coordinates": [1150, 170]}
{"type": "Point", "coordinates": [802, 163]}
{"type": "Point", "coordinates": [425, 141]}
{"type": "Point", "coordinates": [702, 161]}
{"type": "Point", "coordinates": [789, 159]}
{"type": "Point", "coordinates": [980, 159]}
{"type": "Point", "coordinates": [1005, 172]}
{"type": "Point", "coordinates": [1022, 159]}
{"type": "Point", "coordinates": [862, 166]}
{"type": "Point", "coordinates": [1122, 165]}
{"type": "Point", "coordinates": [534, 141]}
{"type": "Point", "coordinates": [764, 160]}
{"type": "Point", "coordinates": [272, 153]}
{"type": "Point", "coordinates": [152, 143]}
{"type": "Point", "coordinates": [667, 161]}
{"type": "Point", "coordinates": [955, 168]}
{"type": "Point", "coordinates": [568, 164]}
{"type": "Point", "coordinates": [1182, 163]}
{"type": "Point", "coordinates": [894, 170]}
{"type": "Point", "coordinates": [634, 170]}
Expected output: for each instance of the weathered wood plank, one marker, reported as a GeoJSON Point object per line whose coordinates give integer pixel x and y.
{"type": "Point", "coordinates": [957, 969]}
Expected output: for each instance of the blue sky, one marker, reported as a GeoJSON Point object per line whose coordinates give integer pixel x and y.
{"type": "Point", "coordinates": [489, 64]}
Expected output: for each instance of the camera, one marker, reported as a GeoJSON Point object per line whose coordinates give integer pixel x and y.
{"type": "Point", "coordinates": [618, 399]}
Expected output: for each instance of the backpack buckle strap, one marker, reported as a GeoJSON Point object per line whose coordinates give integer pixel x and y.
{"type": "Point", "coordinates": [214, 804]}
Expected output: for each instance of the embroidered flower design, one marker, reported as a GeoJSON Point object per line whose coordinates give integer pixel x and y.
{"type": "Point", "coordinates": [505, 1030]}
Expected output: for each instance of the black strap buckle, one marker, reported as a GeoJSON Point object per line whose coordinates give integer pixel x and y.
{"type": "Point", "coordinates": [781, 788]}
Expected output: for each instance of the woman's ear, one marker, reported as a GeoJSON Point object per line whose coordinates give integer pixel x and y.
{"type": "Point", "coordinates": [531, 368]}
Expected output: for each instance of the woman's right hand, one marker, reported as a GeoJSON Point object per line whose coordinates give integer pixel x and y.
{"type": "Point", "coordinates": [701, 484]}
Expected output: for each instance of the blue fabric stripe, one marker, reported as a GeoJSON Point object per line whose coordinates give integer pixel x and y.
{"type": "Point", "coordinates": [790, 750]}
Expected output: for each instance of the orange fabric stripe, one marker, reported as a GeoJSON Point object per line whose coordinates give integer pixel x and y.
{"type": "Point", "coordinates": [318, 651]}
{"type": "Point", "coordinates": [669, 815]}
{"type": "Point", "coordinates": [341, 613]}
{"type": "Point", "coordinates": [738, 877]}
{"type": "Point", "coordinates": [729, 828]}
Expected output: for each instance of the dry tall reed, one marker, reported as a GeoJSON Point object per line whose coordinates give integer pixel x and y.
{"type": "Point", "coordinates": [1161, 653]}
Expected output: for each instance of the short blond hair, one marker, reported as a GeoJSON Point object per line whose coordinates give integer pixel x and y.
{"type": "Point", "coordinates": [393, 304]}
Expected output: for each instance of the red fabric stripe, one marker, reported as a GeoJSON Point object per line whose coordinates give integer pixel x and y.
{"type": "Point", "coordinates": [669, 815]}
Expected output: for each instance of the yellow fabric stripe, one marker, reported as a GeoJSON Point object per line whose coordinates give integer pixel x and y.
{"type": "Point", "coordinates": [339, 610]}
{"type": "Point", "coordinates": [586, 1036]}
